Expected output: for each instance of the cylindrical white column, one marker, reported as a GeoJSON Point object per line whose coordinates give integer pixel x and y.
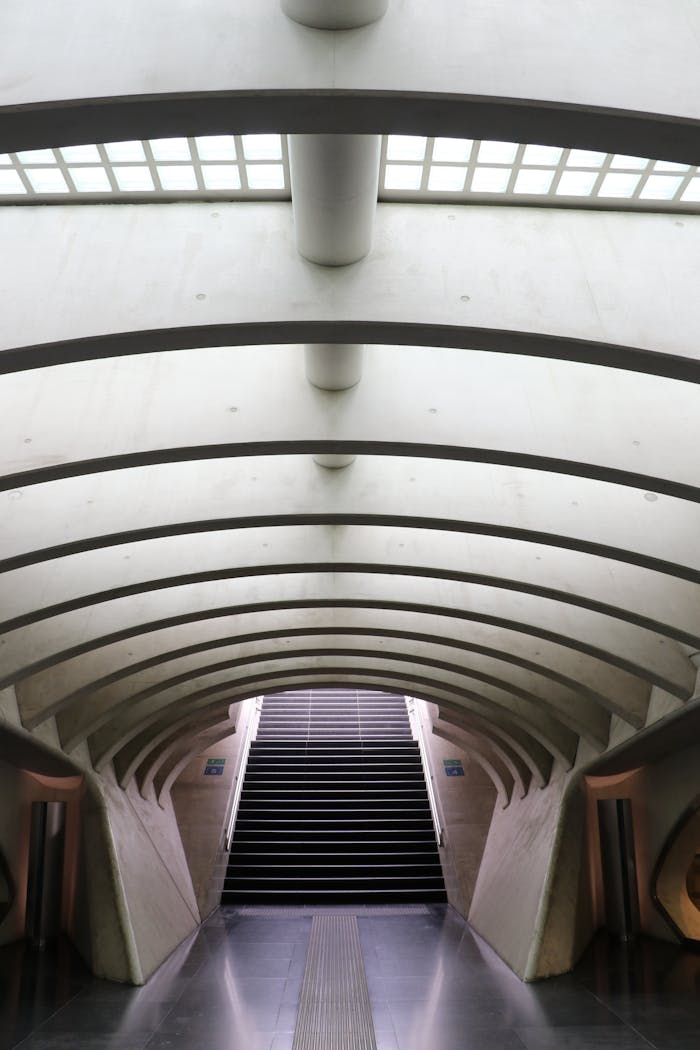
{"type": "Point", "coordinates": [335, 14]}
{"type": "Point", "coordinates": [334, 462]}
{"type": "Point", "coordinates": [334, 195]}
{"type": "Point", "coordinates": [334, 366]}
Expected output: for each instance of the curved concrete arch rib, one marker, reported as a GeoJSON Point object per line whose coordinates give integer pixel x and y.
{"type": "Point", "coordinates": [93, 576]}
{"type": "Point", "coordinates": [549, 727]}
{"type": "Point", "coordinates": [581, 718]}
{"type": "Point", "coordinates": [625, 654]}
{"type": "Point", "coordinates": [536, 761]}
{"type": "Point", "coordinates": [488, 758]}
{"type": "Point", "coordinates": [169, 768]}
{"type": "Point", "coordinates": [77, 719]}
{"type": "Point", "coordinates": [207, 68]}
{"type": "Point", "coordinates": [396, 296]}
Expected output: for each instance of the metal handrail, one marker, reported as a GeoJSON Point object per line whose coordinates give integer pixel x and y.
{"type": "Point", "coordinates": [251, 730]}
{"type": "Point", "coordinates": [417, 730]}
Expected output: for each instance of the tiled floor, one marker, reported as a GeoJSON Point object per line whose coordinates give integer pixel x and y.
{"type": "Point", "coordinates": [433, 985]}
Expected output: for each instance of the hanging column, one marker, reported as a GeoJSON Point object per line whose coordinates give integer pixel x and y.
{"type": "Point", "coordinates": [334, 182]}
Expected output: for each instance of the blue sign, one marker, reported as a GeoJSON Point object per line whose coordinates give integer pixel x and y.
{"type": "Point", "coordinates": [213, 771]}
{"type": "Point", "coordinates": [454, 771]}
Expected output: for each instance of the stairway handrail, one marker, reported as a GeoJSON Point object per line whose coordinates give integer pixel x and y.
{"type": "Point", "coordinates": [250, 733]}
{"type": "Point", "coordinates": [417, 729]}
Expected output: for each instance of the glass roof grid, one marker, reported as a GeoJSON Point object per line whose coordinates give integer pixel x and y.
{"type": "Point", "coordinates": [105, 161]}
{"type": "Point", "coordinates": [517, 162]}
{"type": "Point", "coordinates": [151, 163]}
{"type": "Point", "coordinates": [427, 164]}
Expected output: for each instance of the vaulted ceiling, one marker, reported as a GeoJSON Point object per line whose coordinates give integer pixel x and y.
{"type": "Point", "coordinates": [516, 537]}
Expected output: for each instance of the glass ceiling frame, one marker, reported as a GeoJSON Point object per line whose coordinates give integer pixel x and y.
{"type": "Point", "coordinates": [414, 169]}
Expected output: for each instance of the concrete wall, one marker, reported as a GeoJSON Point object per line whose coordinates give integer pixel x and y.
{"type": "Point", "coordinates": [201, 807]}
{"type": "Point", "coordinates": [466, 805]}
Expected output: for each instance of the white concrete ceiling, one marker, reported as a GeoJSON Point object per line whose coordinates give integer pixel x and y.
{"type": "Point", "coordinates": [517, 539]}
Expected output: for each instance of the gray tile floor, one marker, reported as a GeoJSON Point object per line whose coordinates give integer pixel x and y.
{"type": "Point", "coordinates": [432, 982]}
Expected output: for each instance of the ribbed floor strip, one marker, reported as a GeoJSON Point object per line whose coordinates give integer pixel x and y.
{"type": "Point", "coordinates": [334, 1007]}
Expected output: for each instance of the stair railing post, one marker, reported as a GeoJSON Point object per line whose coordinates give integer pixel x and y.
{"type": "Point", "coordinates": [250, 733]}
{"type": "Point", "coordinates": [417, 731]}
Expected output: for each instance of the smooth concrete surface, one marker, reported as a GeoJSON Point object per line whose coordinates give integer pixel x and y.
{"type": "Point", "coordinates": [465, 805]}
{"type": "Point", "coordinates": [611, 270]}
{"type": "Point", "coordinates": [486, 71]}
{"type": "Point", "coordinates": [432, 982]}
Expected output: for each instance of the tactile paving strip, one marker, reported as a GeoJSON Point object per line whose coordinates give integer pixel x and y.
{"type": "Point", "coordinates": [334, 1007]}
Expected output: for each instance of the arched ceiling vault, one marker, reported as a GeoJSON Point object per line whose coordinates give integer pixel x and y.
{"type": "Point", "coordinates": [517, 539]}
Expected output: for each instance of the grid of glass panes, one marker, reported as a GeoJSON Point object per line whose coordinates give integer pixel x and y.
{"type": "Point", "coordinates": [214, 166]}
{"type": "Point", "coordinates": [418, 168]}
{"type": "Point", "coordinates": [413, 168]}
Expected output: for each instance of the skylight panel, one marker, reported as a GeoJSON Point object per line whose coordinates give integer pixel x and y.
{"type": "Point", "coordinates": [585, 158]}
{"type": "Point", "coordinates": [412, 168]}
{"type": "Point", "coordinates": [262, 147]}
{"type": "Point", "coordinates": [668, 165]}
{"type": "Point", "coordinates": [177, 177]}
{"type": "Point", "coordinates": [47, 180]}
{"type": "Point", "coordinates": [403, 177]}
{"type": "Point", "coordinates": [535, 181]}
{"type": "Point", "coordinates": [451, 151]}
{"type": "Point", "coordinates": [90, 180]}
{"type": "Point", "coordinates": [577, 183]}
{"type": "Point", "coordinates": [491, 180]}
{"type": "Point", "coordinates": [81, 154]}
{"type": "Point", "coordinates": [265, 176]}
{"type": "Point", "coordinates": [661, 187]}
{"type": "Point", "coordinates": [406, 147]}
{"type": "Point", "coordinates": [37, 156]}
{"type": "Point", "coordinates": [618, 184]}
{"type": "Point", "coordinates": [497, 152]}
{"type": "Point", "coordinates": [125, 152]}
{"type": "Point", "coordinates": [216, 147]}
{"type": "Point", "coordinates": [622, 161]}
{"type": "Point", "coordinates": [221, 176]}
{"type": "Point", "coordinates": [692, 191]}
{"type": "Point", "coordinates": [10, 182]}
{"type": "Point", "coordinates": [543, 155]}
{"type": "Point", "coordinates": [170, 149]}
{"type": "Point", "coordinates": [447, 179]}
{"type": "Point", "coordinates": [134, 179]}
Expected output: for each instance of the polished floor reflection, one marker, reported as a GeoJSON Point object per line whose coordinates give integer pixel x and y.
{"type": "Point", "coordinates": [432, 982]}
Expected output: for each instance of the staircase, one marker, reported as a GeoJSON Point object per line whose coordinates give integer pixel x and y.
{"type": "Point", "coordinates": [334, 806]}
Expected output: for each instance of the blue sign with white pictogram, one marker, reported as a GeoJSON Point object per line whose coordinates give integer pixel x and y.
{"type": "Point", "coordinates": [454, 771]}
{"type": "Point", "coordinates": [214, 771]}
